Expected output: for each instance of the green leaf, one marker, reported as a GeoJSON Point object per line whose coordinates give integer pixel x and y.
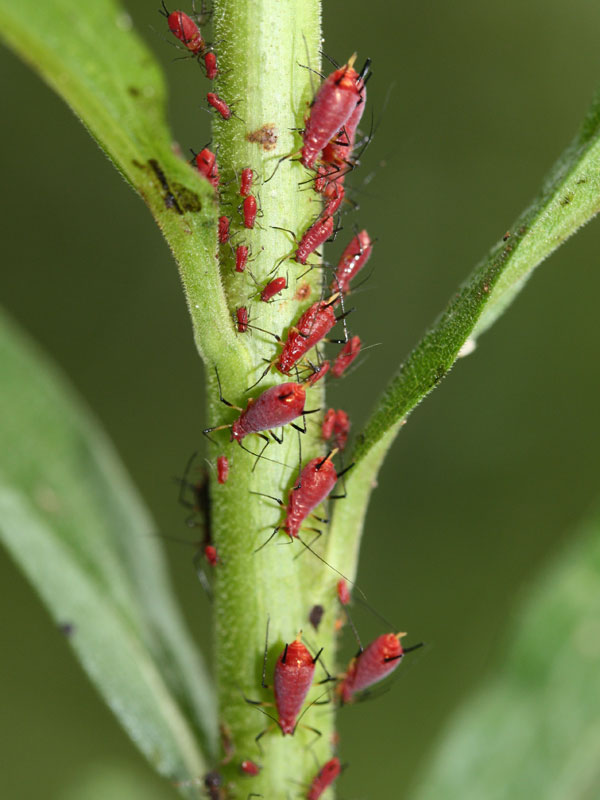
{"type": "Point", "coordinates": [533, 730]}
{"type": "Point", "coordinates": [91, 56]}
{"type": "Point", "coordinates": [569, 198]}
{"type": "Point", "coordinates": [74, 524]}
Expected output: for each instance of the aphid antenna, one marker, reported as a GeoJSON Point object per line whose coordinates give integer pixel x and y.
{"type": "Point", "coordinates": [310, 70]}
{"type": "Point", "coordinates": [314, 72]}
{"type": "Point", "coordinates": [341, 574]}
{"type": "Point", "coordinates": [330, 59]}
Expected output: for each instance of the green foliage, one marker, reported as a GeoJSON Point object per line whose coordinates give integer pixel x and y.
{"type": "Point", "coordinates": [532, 729]}
{"type": "Point", "coordinates": [72, 521]}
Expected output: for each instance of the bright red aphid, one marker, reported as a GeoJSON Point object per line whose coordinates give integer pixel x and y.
{"type": "Point", "coordinates": [343, 592]}
{"type": "Point", "coordinates": [294, 673]}
{"type": "Point", "coordinates": [222, 469]}
{"type": "Point", "coordinates": [312, 487]}
{"type": "Point", "coordinates": [323, 780]}
{"type": "Point", "coordinates": [241, 257]}
{"type": "Point", "coordinates": [352, 260]}
{"type": "Point", "coordinates": [219, 105]}
{"type": "Point", "coordinates": [210, 553]}
{"type": "Point", "coordinates": [319, 373]}
{"type": "Point", "coordinates": [273, 408]}
{"type": "Point", "coordinates": [249, 768]}
{"type": "Point", "coordinates": [210, 65]}
{"type": "Point", "coordinates": [332, 107]}
{"type": "Point", "coordinates": [336, 424]}
{"type": "Point", "coordinates": [206, 164]}
{"type": "Point", "coordinates": [250, 210]}
{"type": "Point", "coordinates": [374, 664]}
{"type": "Point", "coordinates": [272, 288]}
{"type": "Point", "coordinates": [186, 30]}
{"type": "Point", "coordinates": [313, 325]}
{"type": "Point", "coordinates": [346, 356]}
{"type": "Point", "coordinates": [224, 229]}
{"type": "Point", "coordinates": [246, 181]}
{"type": "Point", "coordinates": [313, 238]}
{"type": "Point", "coordinates": [242, 319]}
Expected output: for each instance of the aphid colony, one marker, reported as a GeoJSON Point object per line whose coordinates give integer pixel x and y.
{"type": "Point", "coordinates": [327, 153]}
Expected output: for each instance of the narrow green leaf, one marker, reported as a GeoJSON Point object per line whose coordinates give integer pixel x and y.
{"type": "Point", "coordinates": [569, 198]}
{"type": "Point", "coordinates": [533, 730]}
{"type": "Point", "coordinates": [90, 55]}
{"type": "Point", "coordinates": [75, 525]}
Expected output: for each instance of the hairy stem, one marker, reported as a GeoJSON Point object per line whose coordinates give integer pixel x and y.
{"type": "Point", "coordinates": [262, 45]}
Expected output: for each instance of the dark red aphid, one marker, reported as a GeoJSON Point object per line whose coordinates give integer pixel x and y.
{"type": "Point", "coordinates": [224, 223]}
{"type": "Point", "coordinates": [294, 673]}
{"type": "Point", "coordinates": [313, 325]}
{"type": "Point", "coordinates": [372, 665]}
{"type": "Point", "coordinates": [272, 288]}
{"type": "Point", "coordinates": [210, 553]}
{"type": "Point", "coordinates": [242, 319]}
{"type": "Point", "coordinates": [186, 30]}
{"type": "Point", "coordinates": [352, 260]}
{"type": "Point", "coordinates": [335, 200]}
{"type": "Point", "coordinates": [346, 356]}
{"type": "Point", "coordinates": [241, 257]}
{"type": "Point", "coordinates": [313, 238]}
{"type": "Point", "coordinates": [210, 65]}
{"type": "Point", "coordinates": [275, 407]}
{"type": "Point", "coordinates": [206, 164]}
{"type": "Point", "coordinates": [312, 487]}
{"type": "Point", "coordinates": [343, 592]}
{"type": "Point", "coordinates": [332, 107]}
{"type": "Point", "coordinates": [246, 181]}
{"type": "Point", "coordinates": [323, 780]}
{"type": "Point", "coordinates": [249, 768]}
{"type": "Point", "coordinates": [250, 210]}
{"type": "Point", "coordinates": [336, 424]}
{"type": "Point", "coordinates": [219, 105]}
{"type": "Point", "coordinates": [319, 373]}
{"type": "Point", "coordinates": [222, 469]}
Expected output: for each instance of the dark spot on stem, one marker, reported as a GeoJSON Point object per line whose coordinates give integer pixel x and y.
{"type": "Point", "coordinates": [566, 199]}
{"type": "Point", "coordinates": [266, 136]}
{"type": "Point", "coordinates": [133, 91]}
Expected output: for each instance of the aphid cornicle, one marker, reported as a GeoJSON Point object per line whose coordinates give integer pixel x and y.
{"type": "Point", "coordinates": [324, 778]}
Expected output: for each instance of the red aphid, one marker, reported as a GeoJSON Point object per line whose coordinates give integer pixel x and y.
{"type": "Point", "coordinates": [328, 424]}
{"type": "Point", "coordinates": [210, 64]}
{"type": "Point", "coordinates": [210, 553]}
{"type": "Point", "coordinates": [206, 164]}
{"type": "Point", "coordinates": [219, 105]}
{"type": "Point", "coordinates": [250, 210]}
{"type": "Point", "coordinates": [343, 592]}
{"type": "Point", "coordinates": [242, 319]}
{"type": "Point", "coordinates": [224, 229]}
{"type": "Point", "coordinates": [246, 181]}
{"type": "Point", "coordinates": [186, 30]}
{"type": "Point", "coordinates": [319, 373]}
{"type": "Point", "coordinates": [340, 429]}
{"type": "Point", "coordinates": [250, 768]}
{"type": "Point", "coordinates": [294, 673]}
{"type": "Point", "coordinates": [374, 664]}
{"type": "Point", "coordinates": [273, 408]}
{"type": "Point", "coordinates": [241, 257]}
{"type": "Point", "coordinates": [332, 107]}
{"type": "Point", "coordinates": [346, 356]}
{"type": "Point", "coordinates": [352, 260]}
{"type": "Point", "coordinates": [312, 487]}
{"type": "Point", "coordinates": [313, 238]}
{"type": "Point", "coordinates": [335, 200]}
{"type": "Point", "coordinates": [323, 780]}
{"type": "Point", "coordinates": [272, 288]}
{"type": "Point", "coordinates": [313, 325]}
{"type": "Point", "coordinates": [222, 469]}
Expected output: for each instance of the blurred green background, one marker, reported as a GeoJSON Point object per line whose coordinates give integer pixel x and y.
{"type": "Point", "coordinates": [487, 477]}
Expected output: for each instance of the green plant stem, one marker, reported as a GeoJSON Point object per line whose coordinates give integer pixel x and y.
{"type": "Point", "coordinates": [261, 45]}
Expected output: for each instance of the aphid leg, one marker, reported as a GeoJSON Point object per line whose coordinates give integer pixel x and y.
{"type": "Point", "coordinates": [222, 399]}
{"type": "Point", "coordinates": [264, 544]}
